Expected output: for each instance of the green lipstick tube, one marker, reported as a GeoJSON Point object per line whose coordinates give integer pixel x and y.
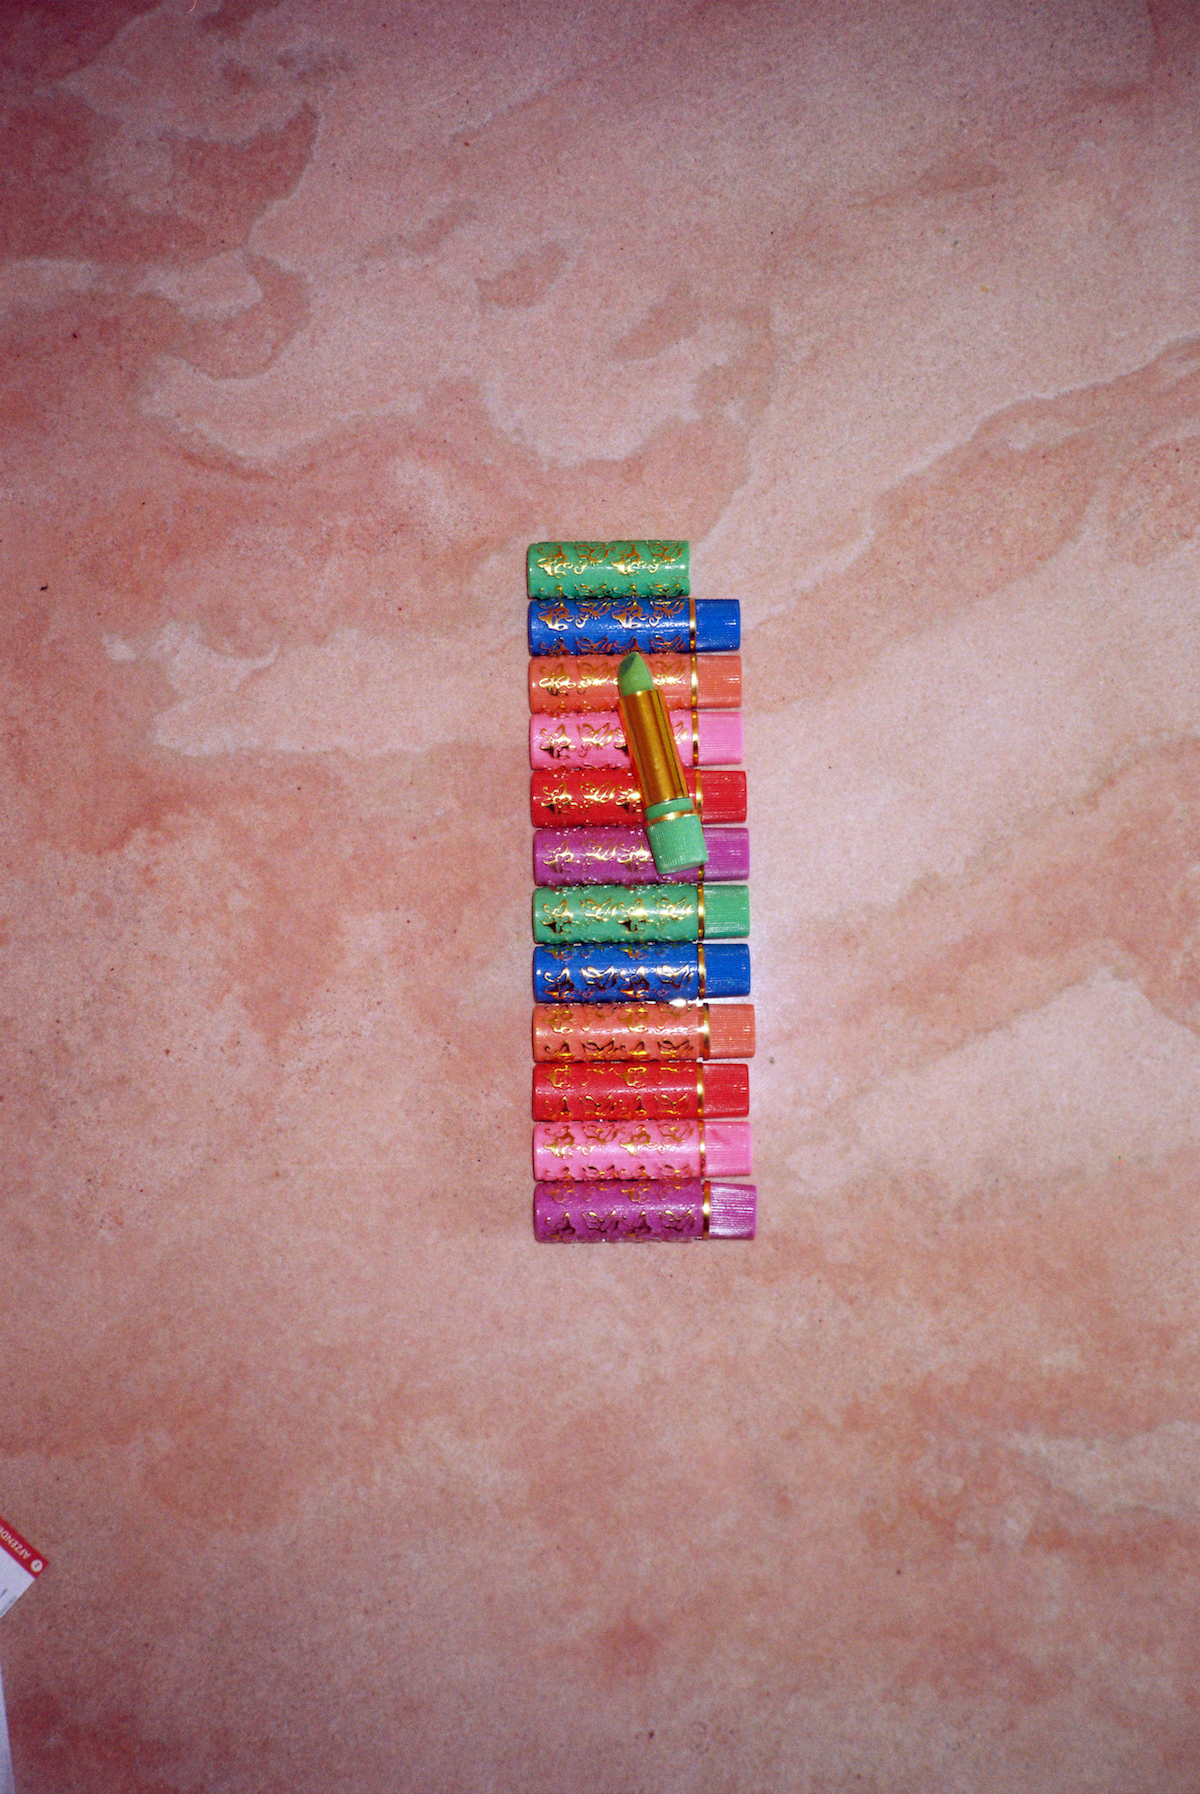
{"type": "Point", "coordinates": [608, 570]}
{"type": "Point", "coordinates": [612, 913]}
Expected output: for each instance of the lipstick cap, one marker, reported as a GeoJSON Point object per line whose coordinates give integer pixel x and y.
{"type": "Point", "coordinates": [726, 1087]}
{"type": "Point", "coordinates": [731, 1031]}
{"type": "Point", "coordinates": [719, 736]}
{"type": "Point", "coordinates": [651, 625]}
{"type": "Point", "coordinates": [726, 911]}
{"type": "Point", "coordinates": [677, 843]}
{"type": "Point", "coordinates": [721, 795]}
{"type": "Point", "coordinates": [639, 568]}
{"type": "Point", "coordinates": [726, 969]}
{"type": "Point", "coordinates": [728, 1148]}
{"type": "Point", "coordinates": [733, 1211]}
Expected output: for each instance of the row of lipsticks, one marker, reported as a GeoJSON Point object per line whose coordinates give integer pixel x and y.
{"type": "Point", "coordinates": [641, 908]}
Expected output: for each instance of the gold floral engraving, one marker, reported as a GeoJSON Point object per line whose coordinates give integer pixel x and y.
{"type": "Point", "coordinates": [560, 919]}
{"type": "Point", "coordinates": [555, 742]}
{"type": "Point", "coordinates": [561, 1144]}
{"type": "Point", "coordinates": [558, 986]}
{"type": "Point", "coordinates": [554, 616]}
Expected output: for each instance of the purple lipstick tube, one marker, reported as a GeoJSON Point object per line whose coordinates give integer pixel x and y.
{"type": "Point", "coordinates": [622, 856]}
{"type": "Point", "coordinates": [695, 1209]}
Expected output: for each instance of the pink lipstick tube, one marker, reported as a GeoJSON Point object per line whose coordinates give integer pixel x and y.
{"type": "Point", "coordinates": [587, 1151]}
{"type": "Point", "coordinates": [570, 682]}
{"type": "Point", "coordinates": [701, 1209]}
{"type": "Point", "coordinates": [596, 738]}
{"type": "Point", "coordinates": [604, 1031]}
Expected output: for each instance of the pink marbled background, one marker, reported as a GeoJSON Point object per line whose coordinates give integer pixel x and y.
{"type": "Point", "coordinates": [313, 316]}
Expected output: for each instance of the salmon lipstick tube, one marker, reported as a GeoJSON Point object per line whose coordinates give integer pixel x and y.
{"type": "Point", "coordinates": [588, 1151]}
{"type": "Point", "coordinates": [610, 795]}
{"type": "Point", "coordinates": [699, 1209]}
{"type": "Point", "coordinates": [606, 1031]}
{"type": "Point", "coordinates": [589, 682]}
{"type": "Point", "coordinates": [658, 1091]}
{"type": "Point", "coordinates": [575, 914]}
{"type": "Point", "coordinates": [624, 856]}
{"type": "Point", "coordinates": [596, 738]}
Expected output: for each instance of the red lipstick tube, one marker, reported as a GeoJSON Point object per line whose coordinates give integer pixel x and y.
{"type": "Point", "coordinates": [610, 795]}
{"type": "Point", "coordinates": [653, 1091]}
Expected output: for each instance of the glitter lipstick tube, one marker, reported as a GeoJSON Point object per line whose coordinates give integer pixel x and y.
{"type": "Point", "coordinates": [610, 795]}
{"type": "Point", "coordinates": [623, 856]}
{"type": "Point", "coordinates": [596, 738]}
{"type": "Point", "coordinates": [602, 1032]}
{"type": "Point", "coordinates": [621, 625]}
{"type": "Point", "coordinates": [588, 1151]}
{"type": "Point", "coordinates": [657, 1091]}
{"type": "Point", "coordinates": [698, 1209]}
{"type": "Point", "coordinates": [664, 973]}
{"type": "Point", "coordinates": [569, 682]}
{"type": "Point", "coordinates": [631, 913]}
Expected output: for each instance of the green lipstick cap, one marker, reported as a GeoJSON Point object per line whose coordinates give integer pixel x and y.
{"type": "Point", "coordinates": [677, 843]}
{"type": "Point", "coordinates": [726, 911]}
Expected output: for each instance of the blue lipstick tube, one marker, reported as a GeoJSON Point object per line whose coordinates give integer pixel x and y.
{"type": "Point", "coordinates": [621, 625]}
{"type": "Point", "coordinates": [655, 974]}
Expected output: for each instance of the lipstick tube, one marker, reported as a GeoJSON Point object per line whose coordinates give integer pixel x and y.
{"type": "Point", "coordinates": [699, 1209]}
{"type": "Point", "coordinates": [651, 625]}
{"type": "Point", "coordinates": [654, 1091]}
{"type": "Point", "coordinates": [610, 795]}
{"type": "Point", "coordinates": [570, 682]}
{"type": "Point", "coordinates": [676, 1031]}
{"type": "Point", "coordinates": [672, 825]}
{"type": "Point", "coordinates": [607, 569]}
{"type": "Point", "coordinates": [587, 1151]}
{"type": "Point", "coordinates": [623, 856]}
{"type": "Point", "coordinates": [596, 738]}
{"type": "Point", "coordinates": [657, 974]}
{"type": "Point", "coordinates": [620, 913]}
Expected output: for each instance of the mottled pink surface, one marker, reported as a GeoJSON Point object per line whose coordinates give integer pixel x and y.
{"type": "Point", "coordinates": [314, 316]}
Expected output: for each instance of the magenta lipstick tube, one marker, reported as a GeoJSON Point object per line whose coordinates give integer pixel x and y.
{"type": "Point", "coordinates": [622, 856]}
{"type": "Point", "coordinates": [596, 738]}
{"type": "Point", "coordinates": [588, 1151]}
{"type": "Point", "coordinates": [698, 1209]}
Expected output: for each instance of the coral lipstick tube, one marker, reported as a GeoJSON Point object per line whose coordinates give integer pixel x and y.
{"type": "Point", "coordinates": [619, 625]}
{"type": "Point", "coordinates": [570, 682]}
{"type": "Point", "coordinates": [698, 1209]}
{"type": "Point", "coordinates": [584, 856]}
{"type": "Point", "coordinates": [587, 1151]}
{"type": "Point", "coordinates": [665, 973]}
{"type": "Point", "coordinates": [607, 1031]}
{"type": "Point", "coordinates": [596, 738]}
{"type": "Point", "coordinates": [631, 913]}
{"type": "Point", "coordinates": [657, 1091]}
